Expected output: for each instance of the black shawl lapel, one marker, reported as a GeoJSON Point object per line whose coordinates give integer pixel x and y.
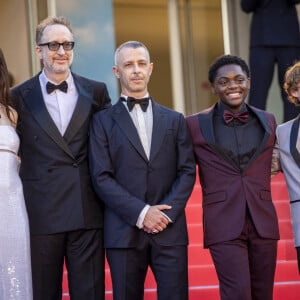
{"type": "Point", "coordinates": [125, 123]}
{"type": "Point", "coordinates": [206, 125]}
{"type": "Point", "coordinates": [33, 99]}
{"type": "Point", "coordinates": [82, 108]}
{"type": "Point", "coordinates": [264, 122]}
{"type": "Point", "coordinates": [159, 129]}
{"type": "Point", "coordinates": [293, 141]}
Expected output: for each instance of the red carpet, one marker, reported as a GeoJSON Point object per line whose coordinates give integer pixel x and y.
{"type": "Point", "coordinates": [203, 282]}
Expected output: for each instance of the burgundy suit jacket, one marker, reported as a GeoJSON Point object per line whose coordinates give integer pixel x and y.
{"type": "Point", "coordinates": [226, 190]}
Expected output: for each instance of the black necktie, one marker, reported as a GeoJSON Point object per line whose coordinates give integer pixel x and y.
{"type": "Point", "coordinates": [50, 87]}
{"type": "Point", "coordinates": [229, 116]}
{"type": "Point", "coordinates": [143, 102]}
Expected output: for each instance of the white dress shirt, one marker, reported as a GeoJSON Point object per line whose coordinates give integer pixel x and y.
{"type": "Point", "coordinates": [60, 105]}
{"type": "Point", "coordinates": [143, 122]}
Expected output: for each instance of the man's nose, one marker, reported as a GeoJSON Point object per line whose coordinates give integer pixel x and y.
{"type": "Point", "coordinates": [61, 49]}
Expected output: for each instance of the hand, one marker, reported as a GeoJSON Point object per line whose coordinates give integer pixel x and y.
{"type": "Point", "coordinates": [155, 221]}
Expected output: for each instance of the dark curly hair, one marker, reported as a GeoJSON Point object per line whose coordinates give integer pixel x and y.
{"type": "Point", "coordinates": [224, 60]}
{"type": "Point", "coordinates": [292, 78]}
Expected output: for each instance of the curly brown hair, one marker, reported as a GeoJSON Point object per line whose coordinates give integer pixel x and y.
{"type": "Point", "coordinates": [5, 97]}
{"type": "Point", "coordinates": [291, 82]}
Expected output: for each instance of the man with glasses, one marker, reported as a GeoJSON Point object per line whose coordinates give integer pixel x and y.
{"type": "Point", "coordinates": [55, 108]}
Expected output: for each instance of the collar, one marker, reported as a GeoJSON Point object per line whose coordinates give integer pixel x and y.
{"type": "Point", "coordinates": [221, 107]}
{"type": "Point", "coordinates": [125, 96]}
{"type": "Point", "coordinates": [44, 79]}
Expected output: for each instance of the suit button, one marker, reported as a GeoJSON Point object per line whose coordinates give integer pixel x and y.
{"type": "Point", "coordinates": [75, 165]}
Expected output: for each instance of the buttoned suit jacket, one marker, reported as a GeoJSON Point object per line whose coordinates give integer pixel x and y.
{"type": "Point", "coordinates": [288, 144]}
{"type": "Point", "coordinates": [126, 180]}
{"type": "Point", "coordinates": [54, 168]}
{"type": "Point", "coordinates": [226, 190]}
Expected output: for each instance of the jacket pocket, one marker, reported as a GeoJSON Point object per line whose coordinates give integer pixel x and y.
{"type": "Point", "coordinates": [265, 195]}
{"type": "Point", "coordinates": [214, 198]}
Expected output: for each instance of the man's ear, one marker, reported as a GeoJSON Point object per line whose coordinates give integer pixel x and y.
{"type": "Point", "coordinates": [213, 90]}
{"type": "Point", "coordinates": [116, 71]}
{"type": "Point", "coordinates": [295, 93]}
{"type": "Point", "coordinates": [38, 51]}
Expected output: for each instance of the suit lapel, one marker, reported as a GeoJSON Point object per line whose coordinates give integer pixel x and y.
{"type": "Point", "coordinates": [33, 98]}
{"type": "Point", "coordinates": [264, 122]}
{"type": "Point", "coordinates": [82, 108]}
{"type": "Point", "coordinates": [159, 129]}
{"type": "Point", "coordinates": [207, 129]}
{"type": "Point", "coordinates": [125, 123]}
{"type": "Point", "coordinates": [293, 141]}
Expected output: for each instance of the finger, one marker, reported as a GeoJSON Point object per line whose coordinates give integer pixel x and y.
{"type": "Point", "coordinates": [163, 206]}
{"type": "Point", "coordinates": [148, 230]}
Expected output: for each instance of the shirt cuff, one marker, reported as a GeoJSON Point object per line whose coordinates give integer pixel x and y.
{"type": "Point", "coordinates": [167, 217]}
{"type": "Point", "coordinates": [141, 217]}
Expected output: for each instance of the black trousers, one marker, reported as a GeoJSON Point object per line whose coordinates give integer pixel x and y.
{"type": "Point", "coordinates": [129, 268]}
{"type": "Point", "coordinates": [84, 255]}
{"type": "Point", "coordinates": [262, 63]}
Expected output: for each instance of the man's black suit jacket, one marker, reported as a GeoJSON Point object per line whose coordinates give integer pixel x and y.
{"type": "Point", "coordinates": [54, 168]}
{"type": "Point", "coordinates": [125, 179]}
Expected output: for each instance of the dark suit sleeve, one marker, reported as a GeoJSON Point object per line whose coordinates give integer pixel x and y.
{"type": "Point", "coordinates": [101, 96]}
{"type": "Point", "coordinates": [186, 173]}
{"type": "Point", "coordinates": [294, 1]}
{"type": "Point", "coordinates": [250, 5]}
{"type": "Point", "coordinates": [115, 196]}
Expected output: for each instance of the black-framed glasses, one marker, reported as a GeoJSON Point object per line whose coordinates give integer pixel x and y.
{"type": "Point", "coordinates": [54, 46]}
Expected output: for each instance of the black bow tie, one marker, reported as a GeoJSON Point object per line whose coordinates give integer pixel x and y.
{"type": "Point", "coordinates": [229, 116]}
{"type": "Point", "coordinates": [143, 102]}
{"type": "Point", "coordinates": [50, 87]}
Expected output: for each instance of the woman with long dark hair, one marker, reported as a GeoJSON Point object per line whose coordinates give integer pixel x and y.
{"type": "Point", "coordinates": [15, 264]}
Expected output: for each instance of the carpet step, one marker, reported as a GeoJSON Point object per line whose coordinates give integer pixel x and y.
{"type": "Point", "coordinates": [283, 209]}
{"type": "Point", "coordinates": [282, 291]}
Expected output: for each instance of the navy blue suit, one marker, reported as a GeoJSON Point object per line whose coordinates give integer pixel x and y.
{"type": "Point", "coordinates": [126, 180]}
{"type": "Point", "coordinates": [274, 39]}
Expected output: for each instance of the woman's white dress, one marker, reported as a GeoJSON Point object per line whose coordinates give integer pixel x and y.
{"type": "Point", "coordinates": [15, 264]}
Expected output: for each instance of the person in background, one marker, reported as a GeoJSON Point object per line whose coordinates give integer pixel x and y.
{"type": "Point", "coordinates": [286, 155]}
{"type": "Point", "coordinates": [233, 144]}
{"type": "Point", "coordinates": [143, 169]}
{"type": "Point", "coordinates": [15, 264]}
{"type": "Point", "coordinates": [274, 40]}
{"type": "Point", "coordinates": [65, 216]}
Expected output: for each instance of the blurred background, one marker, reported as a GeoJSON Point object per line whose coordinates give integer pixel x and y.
{"type": "Point", "coordinates": [183, 36]}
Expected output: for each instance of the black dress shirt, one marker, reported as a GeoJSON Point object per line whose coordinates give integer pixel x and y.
{"type": "Point", "coordinates": [239, 141]}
